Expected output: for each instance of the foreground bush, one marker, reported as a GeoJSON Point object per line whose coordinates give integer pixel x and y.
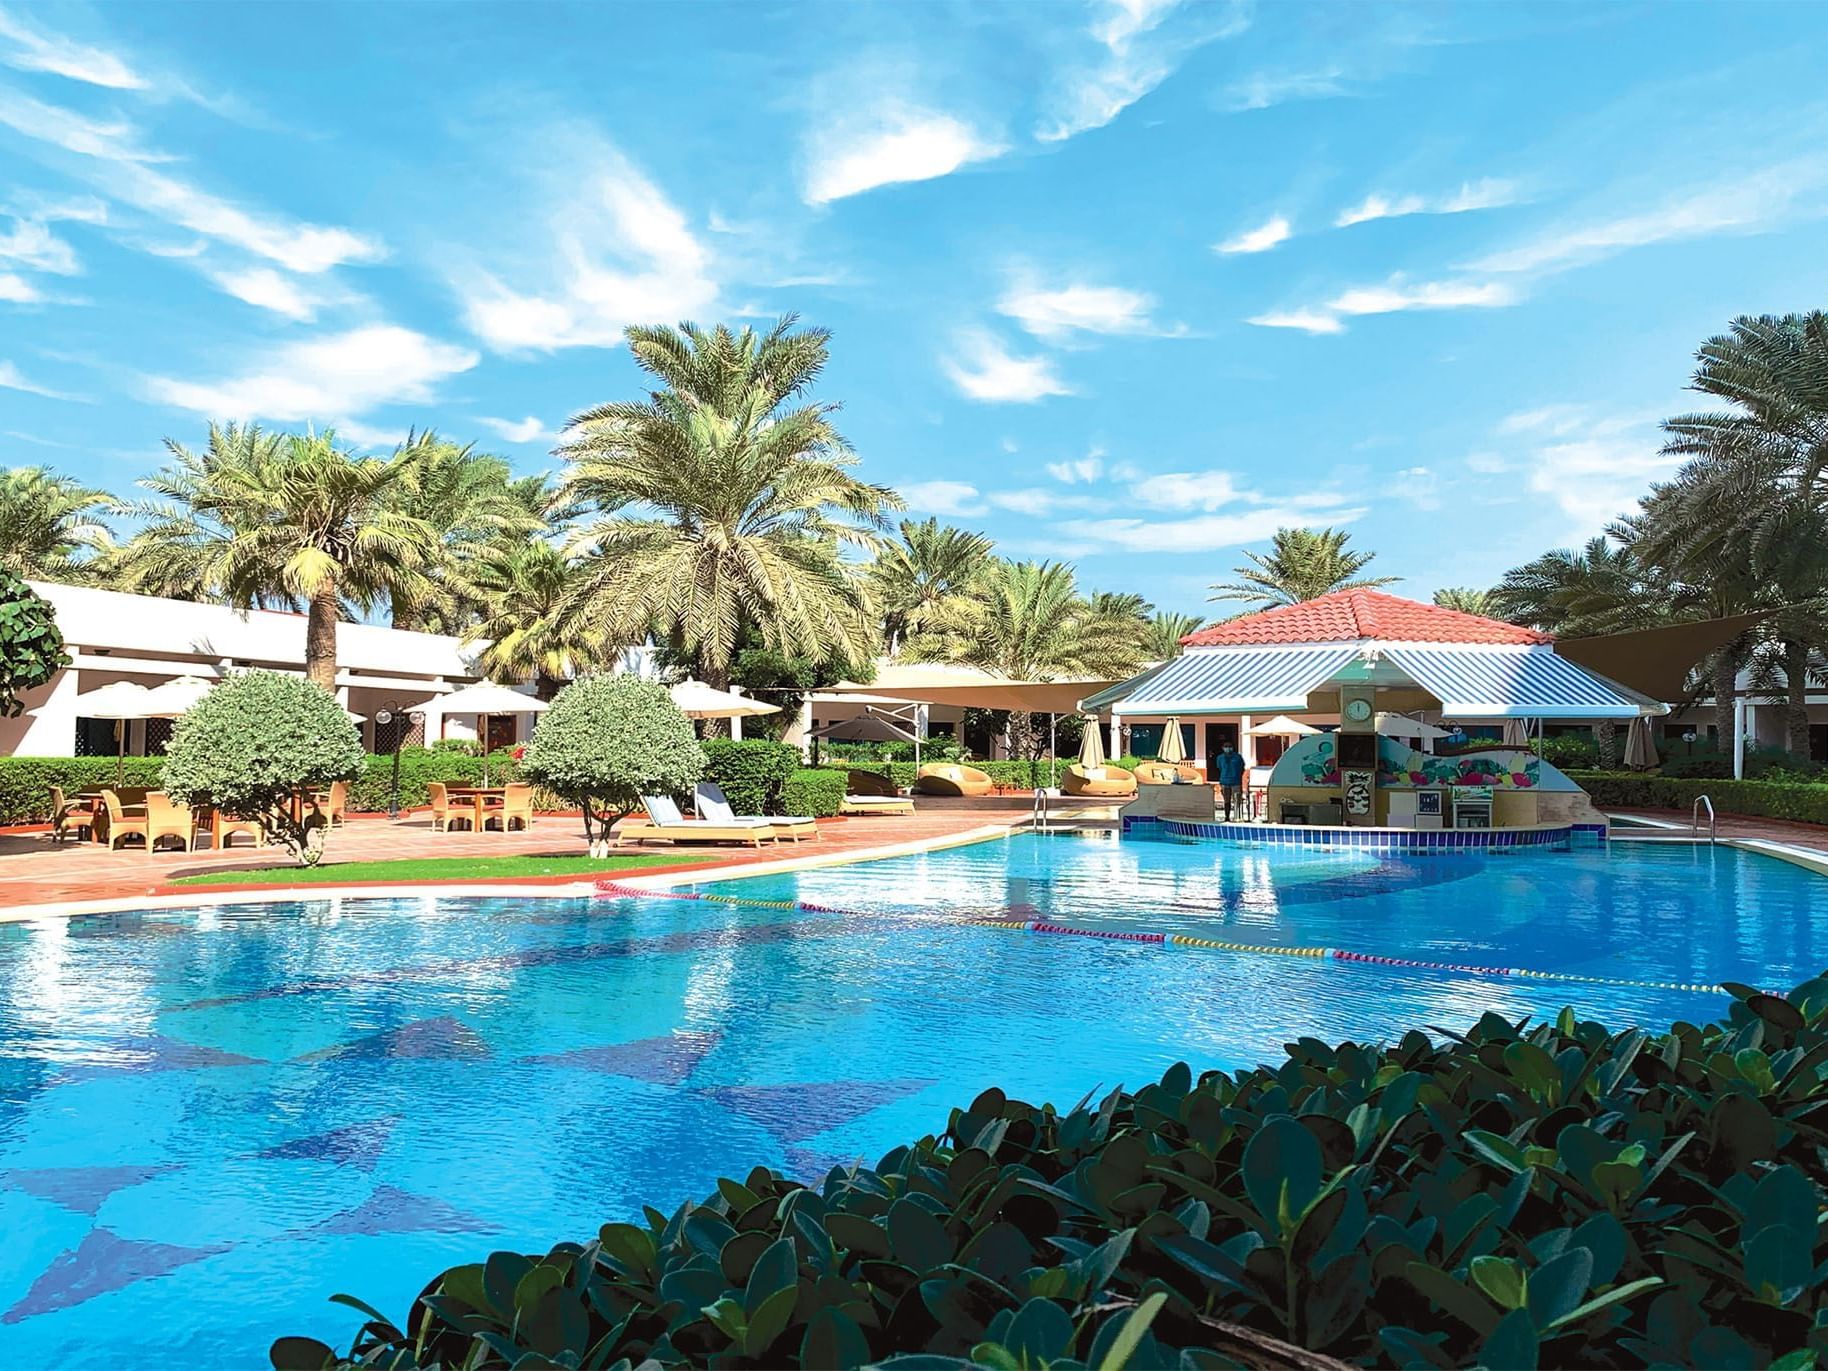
{"type": "Point", "coordinates": [813, 792]}
{"type": "Point", "coordinates": [1805, 801]}
{"type": "Point", "coordinates": [1558, 1195]}
{"type": "Point", "coordinates": [257, 742]}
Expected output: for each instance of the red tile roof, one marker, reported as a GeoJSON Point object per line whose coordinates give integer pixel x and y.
{"type": "Point", "coordinates": [1348, 616]}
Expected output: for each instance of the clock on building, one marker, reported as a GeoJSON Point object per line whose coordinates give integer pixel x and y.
{"type": "Point", "coordinates": [1358, 710]}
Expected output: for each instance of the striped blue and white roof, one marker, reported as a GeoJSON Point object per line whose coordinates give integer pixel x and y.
{"type": "Point", "coordinates": [1472, 681]}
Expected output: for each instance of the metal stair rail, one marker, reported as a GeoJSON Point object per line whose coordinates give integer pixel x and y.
{"type": "Point", "coordinates": [1694, 819]}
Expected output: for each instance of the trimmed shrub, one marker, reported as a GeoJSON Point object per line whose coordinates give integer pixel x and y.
{"type": "Point", "coordinates": [418, 765]}
{"type": "Point", "coordinates": [31, 647]}
{"type": "Point", "coordinates": [25, 782]}
{"type": "Point", "coordinates": [814, 792]}
{"type": "Point", "coordinates": [1573, 750]}
{"type": "Point", "coordinates": [1803, 801]}
{"type": "Point", "coordinates": [608, 740]}
{"type": "Point", "coordinates": [1555, 1195]}
{"type": "Point", "coordinates": [751, 771]}
{"type": "Point", "coordinates": [253, 743]}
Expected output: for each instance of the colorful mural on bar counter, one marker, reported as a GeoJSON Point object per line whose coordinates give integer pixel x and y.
{"type": "Point", "coordinates": [1313, 762]}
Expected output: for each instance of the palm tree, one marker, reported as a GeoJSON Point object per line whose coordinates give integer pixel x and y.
{"type": "Point", "coordinates": [50, 526]}
{"type": "Point", "coordinates": [1303, 564]}
{"type": "Point", "coordinates": [1467, 600]}
{"type": "Point", "coordinates": [1027, 621]}
{"type": "Point", "coordinates": [717, 505]}
{"type": "Point", "coordinates": [1600, 587]}
{"type": "Point", "coordinates": [522, 588]}
{"type": "Point", "coordinates": [259, 519]}
{"type": "Point", "coordinates": [470, 498]}
{"type": "Point", "coordinates": [911, 578]}
{"type": "Point", "coordinates": [1165, 631]}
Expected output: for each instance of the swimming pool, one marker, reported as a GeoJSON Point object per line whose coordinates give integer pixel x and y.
{"type": "Point", "coordinates": [212, 1119]}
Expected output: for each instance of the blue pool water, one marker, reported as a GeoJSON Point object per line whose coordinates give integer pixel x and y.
{"type": "Point", "coordinates": [212, 1119]}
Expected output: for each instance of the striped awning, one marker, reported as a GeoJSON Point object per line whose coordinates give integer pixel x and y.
{"type": "Point", "coordinates": [1493, 682]}
{"type": "Point", "coordinates": [1234, 680]}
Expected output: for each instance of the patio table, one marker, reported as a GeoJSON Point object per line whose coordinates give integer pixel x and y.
{"type": "Point", "coordinates": [480, 799]}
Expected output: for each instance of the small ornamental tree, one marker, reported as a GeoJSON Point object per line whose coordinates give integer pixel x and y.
{"type": "Point", "coordinates": [257, 743]}
{"type": "Point", "coordinates": [31, 648]}
{"type": "Point", "coordinates": [607, 741]}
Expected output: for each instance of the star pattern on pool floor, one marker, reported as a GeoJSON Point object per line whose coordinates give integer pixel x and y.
{"type": "Point", "coordinates": [355, 1144]}
{"type": "Point", "coordinates": [439, 1039]}
{"type": "Point", "coordinates": [793, 1113]}
{"type": "Point", "coordinates": [665, 1060]}
{"type": "Point", "coordinates": [81, 1189]}
{"type": "Point", "coordinates": [102, 1262]}
{"type": "Point", "coordinates": [156, 1052]}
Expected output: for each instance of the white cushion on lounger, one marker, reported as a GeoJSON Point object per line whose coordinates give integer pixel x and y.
{"type": "Point", "coordinates": [665, 814]}
{"type": "Point", "coordinates": [712, 804]}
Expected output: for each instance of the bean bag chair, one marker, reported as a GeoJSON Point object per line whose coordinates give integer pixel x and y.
{"type": "Point", "coordinates": [949, 778]}
{"type": "Point", "coordinates": [1098, 782]}
{"type": "Point", "coordinates": [1169, 773]}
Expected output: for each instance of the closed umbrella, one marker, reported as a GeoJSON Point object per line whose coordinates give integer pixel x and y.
{"type": "Point", "coordinates": [485, 700]}
{"type": "Point", "coordinates": [1174, 748]}
{"type": "Point", "coordinates": [1640, 750]}
{"type": "Point", "coordinates": [1516, 733]}
{"type": "Point", "coordinates": [1091, 746]}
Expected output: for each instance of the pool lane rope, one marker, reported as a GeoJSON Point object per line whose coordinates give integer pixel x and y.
{"type": "Point", "coordinates": [609, 887]}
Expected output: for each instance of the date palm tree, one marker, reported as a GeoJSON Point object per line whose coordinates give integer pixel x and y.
{"type": "Point", "coordinates": [1165, 631]}
{"type": "Point", "coordinates": [720, 502]}
{"type": "Point", "coordinates": [1302, 564]}
{"type": "Point", "coordinates": [522, 587]}
{"type": "Point", "coordinates": [912, 577]}
{"type": "Point", "coordinates": [50, 526]}
{"type": "Point", "coordinates": [1467, 600]}
{"type": "Point", "coordinates": [259, 519]}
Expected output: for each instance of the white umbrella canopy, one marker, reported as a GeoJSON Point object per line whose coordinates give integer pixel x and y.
{"type": "Point", "coordinates": [176, 697]}
{"type": "Point", "coordinates": [1091, 746]}
{"type": "Point", "coordinates": [484, 699]}
{"type": "Point", "coordinates": [696, 700]}
{"type": "Point", "coordinates": [1402, 726]}
{"type": "Point", "coordinates": [122, 700]}
{"type": "Point", "coordinates": [1280, 727]}
{"type": "Point", "coordinates": [1174, 748]}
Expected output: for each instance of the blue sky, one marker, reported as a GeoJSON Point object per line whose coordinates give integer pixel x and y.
{"type": "Point", "coordinates": [1130, 284]}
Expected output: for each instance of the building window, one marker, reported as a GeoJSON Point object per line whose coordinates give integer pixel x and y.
{"type": "Point", "coordinates": [95, 737]}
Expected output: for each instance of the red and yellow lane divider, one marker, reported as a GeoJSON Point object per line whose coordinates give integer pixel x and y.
{"type": "Point", "coordinates": [1158, 939]}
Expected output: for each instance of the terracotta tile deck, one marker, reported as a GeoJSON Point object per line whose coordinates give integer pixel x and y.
{"type": "Point", "coordinates": [35, 871]}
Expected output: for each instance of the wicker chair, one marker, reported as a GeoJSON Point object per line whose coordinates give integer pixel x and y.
{"type": "Point", "coordinates": [444, 813]}
{"type": "Point", "coordinates": [1102, 782]}
{"type": "Point", "coordinates": [67, 814]}
{"type": "Point", "coordinates": [124, 821]}
{"type": "Point", "coordinates": [1169, 773]}
{"type": "Point", "coordinates": [334, 802]}
{"type": "Point", "coordinates": [516, 802]}
{"type": "Point", "coordinates": [166, 818]}
{"type": "Point", "coordinates": [950, 778]}
{"type": "Point", "coordinates": [858, 782]}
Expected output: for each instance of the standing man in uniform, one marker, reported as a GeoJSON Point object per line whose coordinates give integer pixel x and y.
{"type": "Point", "coordinates": [1231, 779]}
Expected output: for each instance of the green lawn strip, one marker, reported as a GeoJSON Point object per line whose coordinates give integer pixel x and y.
{"type": "Point", "coordinates": [438, 869]}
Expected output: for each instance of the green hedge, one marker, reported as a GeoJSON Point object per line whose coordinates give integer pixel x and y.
{"type": "Point", "coordinates": [25, 782]}
{"type": "Point", "coordinates": [814, 791]}
{"type": "Point", "coordinates": [1554, 1195]}
{"type": "Point", "coordinates": [1804, 801]}
{"type": "Point", "coordinates": [751, 771]}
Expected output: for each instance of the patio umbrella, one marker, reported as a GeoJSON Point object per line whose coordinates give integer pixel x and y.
{"type": "Point", "coordinates": [484, 700]}
{"type": "Point", "coordinates": [1280, 727]}
{"type": "Point", "coordinates": [1640, 751]}
{"type": "Point", "coordinates": [120, 702]}
{"type": "Point", "coordinates": [1091, 746]}
{"type": "Point", "coordinates": [176, 697]}
{"type": "Point", "coordinates": [1174, 748]}
{"type": "Point", "coordinates": [1516, 733]}
{"type": "Point", "coordinates": [867, 727]}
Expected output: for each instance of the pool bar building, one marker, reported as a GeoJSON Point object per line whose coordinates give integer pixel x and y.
{"type": "Point", "coordinates": [1367, 676]}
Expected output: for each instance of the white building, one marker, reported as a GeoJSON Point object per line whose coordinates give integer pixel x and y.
{"type": "Point", "coordinates": [111, 636]}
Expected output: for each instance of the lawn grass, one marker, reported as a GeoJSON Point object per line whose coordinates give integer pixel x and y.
{"type": "Point", "coordinates": [439, 869]}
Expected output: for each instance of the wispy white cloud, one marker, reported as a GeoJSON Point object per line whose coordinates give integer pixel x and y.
{"type": "Point", "coordinates": [336, 377]}
{"type": "Point", "coordinates": [1398, 295]}
{"type": "Point", "coordinates": [1204, 532]}
{"type": "Point", "coordinates": [1488, 193]}
{"type": "Point", "coordinates": [268, 289]}
{"type": "Point", "coordinates": [16, 290]}
{"type": "Point", "coordinates": [622, 253]}
{"type": "Point", "coordinates": [886, 145]}
{"type": "Point", "coordinates": [27, 48]}
{"type": "Point", "coordinates": [115, 140]}
{"type": "Point", "coordinates": [1039, 503]}
{"type": "Point", "coordinates": [1079, 471]}
{"type": "Point", "coordinates": [528, 430]}
{"type": "Point", "coordinates": [30, 244]}
{"type": "Point", "coordinates": [1058, 313]}
{"type": "Point", "coordinates": [1265, 89]}
{"type": "Point", "coordinates": [1307, 320]}
{"type": "Point", "coordinates": [984, 369]}
{"type": "Point", "coordinates": [372, 437]}
{"type": "Point", "coordinates": [11, 378]}
{"type": "Point", "coordinates": [1135, 52]}
{"type": "Point", "coordinates": [1590, 464]}
{"type": "Point", "coordinates": [1260, 239]}
{"type": "Point", "coordinates": [942, 497]}
{"type": "Point", "coordinates": [1741, 204]}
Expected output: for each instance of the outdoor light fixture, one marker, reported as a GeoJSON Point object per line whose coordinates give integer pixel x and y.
{"type": "Point", "coordinates": [383, 716]}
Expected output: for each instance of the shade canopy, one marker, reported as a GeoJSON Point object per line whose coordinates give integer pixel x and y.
{"type": "Point", "coordinates": [867, 727]}
{"type": "Point", "coordinates": [1240, 680]}
{"type": "Point", "coordinates": [1402, 726]}
{"type": "Point", "coordinates": [939, 683]}
{"type": "Point", "coordinates": [1656, 661]}
{"type": "Point", "coordinates": [1173, 747]}
{"type": "Point", "coordinates": [1280, 727]}
{"type": "Point", "coordinates": [176, 697]}
{"type": "Point", "coordinates": [486, 697]}
{"type": "Point", "coordinates": [696, 700]}
{"type": "Point", "coordinates": [122, 700]}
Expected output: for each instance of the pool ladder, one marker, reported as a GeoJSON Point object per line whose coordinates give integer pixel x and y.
{"type": "Point", "coordinates": [1694, 819]}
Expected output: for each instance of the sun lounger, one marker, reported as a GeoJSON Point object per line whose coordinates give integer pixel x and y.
{"type": "Point", "coordinates": [714, 806]}
{"type": "Point", "coordinates": [876, 804]}
{"type": "Point", "coordinates": [664, 821]}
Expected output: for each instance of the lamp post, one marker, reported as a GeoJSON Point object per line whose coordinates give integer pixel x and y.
{"type": "Point", "coordinates": [384, 716]}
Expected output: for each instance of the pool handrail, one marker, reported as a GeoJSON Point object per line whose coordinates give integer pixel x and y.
{"type": "Point", "coordinates": [1694, 819]}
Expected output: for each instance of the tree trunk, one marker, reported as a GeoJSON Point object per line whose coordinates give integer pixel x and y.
{"type": "Point", "coordinates": [320, 636]}
{"type": "Point", "coordinates": [1606, 734]}
{"type": "Point", "coordinates": [1726, 677]}
{"type": "Point", "coordinates": [1796, 698]}
{"type": "Point", "coordinates": [405, 618]}
{"type": "Point", "coordinates": [545, 686]}
{"type": "Point", "coordinates": [717, 676]}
